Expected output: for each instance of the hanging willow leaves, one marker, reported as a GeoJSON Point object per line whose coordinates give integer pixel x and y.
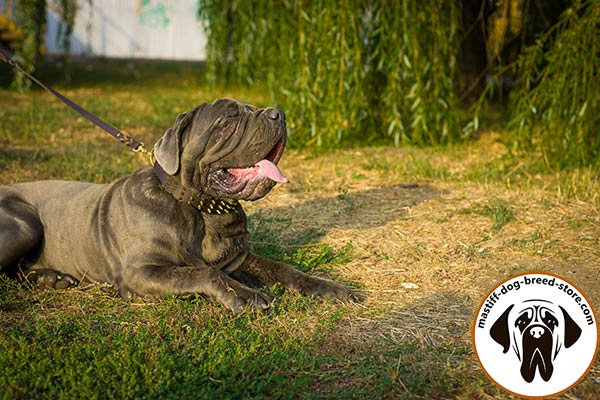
{"type": "Point", "coordinates": [555, 105]}
{"type": "Point", "coordinates": [30, 15]}
{"type": "Point", "coordinates": [343, 71]}
{"type": "Point", "coordinates": [415, 53]}
{"type": "Point", "coordinates": [67, 10]}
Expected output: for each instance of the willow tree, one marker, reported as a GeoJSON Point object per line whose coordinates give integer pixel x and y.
{"type": "Point", "coordinates": [555, 105]}
{"type": "Point", "coordinates": [30, 16]}
{"type": "Point", "coordinates": [345, 70]}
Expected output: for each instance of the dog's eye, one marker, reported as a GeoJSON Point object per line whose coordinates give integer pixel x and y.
{"type": "Point", "coordinates": [523, 321]}
{"type": "Point", "coordinates": [549, 319]}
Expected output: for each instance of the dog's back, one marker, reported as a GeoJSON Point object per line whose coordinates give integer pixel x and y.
{"type": "Point", "coordinates": [51, 223]}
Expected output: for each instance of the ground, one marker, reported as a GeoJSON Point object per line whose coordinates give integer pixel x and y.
{"type": "Point", "coordinates": [427, 250]}
{"type": "Point", "coordinates": [420, 234]}
{"type": "Point", "coordinates": [429, 246]}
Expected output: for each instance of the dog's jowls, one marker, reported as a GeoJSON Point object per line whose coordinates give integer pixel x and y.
{"type": "Point", "coordinates": [537, 330]}
{"type": "Point", "coordinates": [137, 236]}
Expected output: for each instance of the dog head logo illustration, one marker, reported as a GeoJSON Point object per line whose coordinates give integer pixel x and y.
{"type": "Point", "coordinates": [537, 330]}
{"type": "Point", "coordinates": [535, 334]}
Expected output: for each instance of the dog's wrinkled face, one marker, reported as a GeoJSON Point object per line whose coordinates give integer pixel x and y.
{"type": "Point", "coordinates": [536, 330]}
{"type": "Point", "coordinates": [536, 324]}
{"type": "Point", "coordinates": [225, 149]}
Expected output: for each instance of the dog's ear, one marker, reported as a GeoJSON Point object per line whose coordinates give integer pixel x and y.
{"type": "Point", "coordinates": [167, 150]}
{"type": "Point", "coordinates": [499, 331]}
{"type": "Point", "coordinates": [572, 330]}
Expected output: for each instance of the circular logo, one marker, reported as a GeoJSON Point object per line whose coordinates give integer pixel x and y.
{"type": "Point", "coordinates": [535, 335]}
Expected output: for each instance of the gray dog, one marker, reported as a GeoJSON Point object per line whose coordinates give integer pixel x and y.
{"type": "Point", "coordinates": [175, 228]}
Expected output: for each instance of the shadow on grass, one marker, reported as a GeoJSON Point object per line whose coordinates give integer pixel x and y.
{"type": "Point", "coordinates": [409, 353]}
{"type": "Point", "coordinates": [81, 163]}
{"type": "Point", "coordinates": [357, 210]}
{"type": "Point", "coordinates": [98, 72]}
{"type": "Point", "coordinates": [20, 155]}
{"type": "Point", "coordinates": [89, 345]}
{"type": "Point", "coordinates": [99, 347]}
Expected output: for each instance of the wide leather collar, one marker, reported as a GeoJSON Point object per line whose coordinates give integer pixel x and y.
{"type": "Point", "coordinates": [192, 197]}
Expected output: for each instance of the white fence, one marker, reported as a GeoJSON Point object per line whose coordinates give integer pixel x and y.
{"type": "Point", "coordinates": [164, 29]}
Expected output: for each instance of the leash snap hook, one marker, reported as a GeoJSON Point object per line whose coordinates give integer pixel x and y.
{"type": "Point", "coordinates": [150, 154]}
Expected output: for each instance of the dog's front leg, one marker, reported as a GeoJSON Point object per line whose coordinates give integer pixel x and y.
{"type": "Point", "coordinates": [159, 281]}
{"type": "Point", "coordinates": [268, 272]}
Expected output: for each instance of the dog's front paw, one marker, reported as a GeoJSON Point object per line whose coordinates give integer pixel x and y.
{"type": "Point", "coordinates": [238, 297]}
{"type": "Point", "coordinates": [326, 289]}
{"type": "Point", "coordinates": [50, 279]}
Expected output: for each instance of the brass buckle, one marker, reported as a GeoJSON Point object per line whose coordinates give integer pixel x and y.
{"type": "Point", "coordinates": [149, 154]}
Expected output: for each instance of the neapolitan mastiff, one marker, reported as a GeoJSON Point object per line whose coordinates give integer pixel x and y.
{"type": "Point", "coordinates": [177, 228]}
{"type": "Point", "coordinates": [537, 331]}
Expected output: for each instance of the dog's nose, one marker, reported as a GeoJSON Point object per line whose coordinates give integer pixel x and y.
{"type": "Point", "coordinates": [536, 332]}
{"type": "Point", "coordinates": [275, 114]}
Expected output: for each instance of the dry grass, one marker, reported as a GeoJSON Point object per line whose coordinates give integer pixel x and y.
{"type": "Point", "coordinates": [426, 249]}
{"type": "Point", "coordinates": [432, 230]}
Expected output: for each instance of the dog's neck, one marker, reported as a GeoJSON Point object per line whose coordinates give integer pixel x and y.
{"type": "Point", "coordinates": [171, 185]}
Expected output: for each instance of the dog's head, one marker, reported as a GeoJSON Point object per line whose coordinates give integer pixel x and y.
{"type": "Point", "coordinates": [225, 149]}
{"type": "Point", "coordinates": [537, 330]}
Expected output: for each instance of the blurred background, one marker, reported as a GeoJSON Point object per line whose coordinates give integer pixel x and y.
{"type": "Point", "coordinates": [435, 148]}
{"type": "Point", "coordinates": [355, 71]}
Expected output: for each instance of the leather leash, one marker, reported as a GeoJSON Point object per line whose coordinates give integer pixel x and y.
{"type": "Point", "coordinates": [167, 182]}
{"type": "Point", "coordinates": [137, 146]}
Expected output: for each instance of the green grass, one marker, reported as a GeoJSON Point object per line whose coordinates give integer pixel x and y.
{"type": "Point", "coordinates": [91, 343]}
{"type": "Point", "coordinates": [94, 344]}
{"type": "Point", "coordinates": [71, 344]}
{"type": "Point", "coordinates": [60, 345]}
{"type": "Point", "coordinates": [172, 349]}
{"type": "Point", "coordinates": [497, 210]}
{"type": "Point", "coordinates": [111, 348]}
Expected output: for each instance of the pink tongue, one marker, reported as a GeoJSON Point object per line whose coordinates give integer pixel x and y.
{"type": "Point", "coordinates": [264, 168]}
{"type": "Point", "coordinates": [270, 170]}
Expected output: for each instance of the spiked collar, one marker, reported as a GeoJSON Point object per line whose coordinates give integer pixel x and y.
{"type": "Point", "coordinates": [171, 185]}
